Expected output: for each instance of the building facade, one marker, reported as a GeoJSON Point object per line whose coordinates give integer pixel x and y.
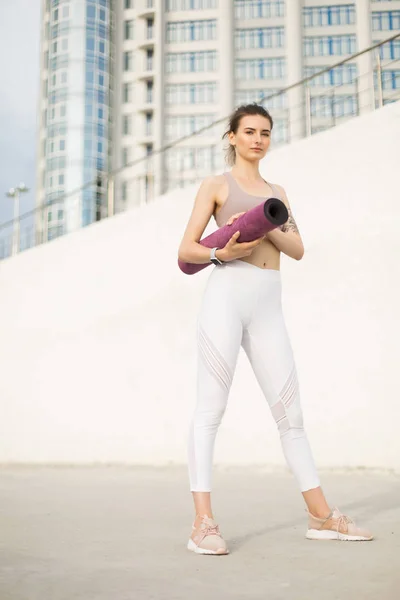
{"type": "Point", "coordinates": [172, 67]}
{"type": "Point", "coordinates": [75, 113]}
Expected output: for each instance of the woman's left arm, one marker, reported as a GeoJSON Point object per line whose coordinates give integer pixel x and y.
{"type": "Point", "coordinates": [287, 238]}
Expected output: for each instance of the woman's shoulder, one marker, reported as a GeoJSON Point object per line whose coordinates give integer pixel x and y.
{"type": "Point", "coordinates": [214, 180]}
{"type": "Point", "coordinates": [280, 190]}
{"type": "Point", "coordinates": [214, 184]}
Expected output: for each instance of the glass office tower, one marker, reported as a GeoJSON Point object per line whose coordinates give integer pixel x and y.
{"type": "Point", "coordinates": [75, 112]}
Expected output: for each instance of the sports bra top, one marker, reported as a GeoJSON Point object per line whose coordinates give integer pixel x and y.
{"type": "Point", "coordinates": [239, 200]}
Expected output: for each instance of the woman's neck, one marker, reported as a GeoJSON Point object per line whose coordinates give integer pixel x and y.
{"type": "Point", "coordinates": [246, 170]}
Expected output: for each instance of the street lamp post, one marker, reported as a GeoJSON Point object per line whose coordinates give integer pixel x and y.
{"type": "Point", "coordinates": [15, 193]}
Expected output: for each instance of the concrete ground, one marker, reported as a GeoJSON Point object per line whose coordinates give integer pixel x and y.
{"type": "Point", "coordinates": [120, 533]}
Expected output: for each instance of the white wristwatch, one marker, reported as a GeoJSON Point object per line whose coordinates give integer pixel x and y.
{"type": "Point", "coordinates": [214, 259]}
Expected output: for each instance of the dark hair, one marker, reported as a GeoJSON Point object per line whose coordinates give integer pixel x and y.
{"type": "Point", "coordinates": [234, 121]}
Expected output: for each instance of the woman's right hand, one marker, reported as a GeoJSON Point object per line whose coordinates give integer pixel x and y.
{"type": "Point", "coordinates": [234, 249]}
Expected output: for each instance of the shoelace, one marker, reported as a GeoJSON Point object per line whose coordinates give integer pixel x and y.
{"type": "Point", "coordinates": [344, 521]}
{"type": "Point", "coordinates": [210, 529]}
{"type": "Point", "coordinates": [205, 531]}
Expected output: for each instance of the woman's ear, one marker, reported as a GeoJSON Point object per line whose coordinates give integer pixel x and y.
{"type": "Point", "coordinates": [231, 138]}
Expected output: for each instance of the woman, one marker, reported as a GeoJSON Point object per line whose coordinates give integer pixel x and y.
{"type": "Point", "coordinates": [242, 306]}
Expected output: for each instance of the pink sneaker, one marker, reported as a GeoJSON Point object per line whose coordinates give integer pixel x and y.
{"type": "Point", "coordinates": [336, 527]}
{"type": "Point", "coordinates": [207, 539]}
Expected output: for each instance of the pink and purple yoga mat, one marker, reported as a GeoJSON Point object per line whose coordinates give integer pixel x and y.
{"type": "Point", "coordinates": [255, 223]}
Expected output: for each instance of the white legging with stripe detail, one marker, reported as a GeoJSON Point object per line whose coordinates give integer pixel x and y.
{"type": "Point", "coordinates": [242, 306]}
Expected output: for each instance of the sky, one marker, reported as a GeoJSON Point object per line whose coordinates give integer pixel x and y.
{"type": "Point", "coordinates": [19, 70]}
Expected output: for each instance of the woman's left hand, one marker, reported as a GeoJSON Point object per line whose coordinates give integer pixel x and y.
{"type": "Point", "coordinates": [234, 217]}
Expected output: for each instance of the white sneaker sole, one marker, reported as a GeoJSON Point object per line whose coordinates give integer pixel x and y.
{"type": "Point", "coordinates": [193, 548]}
{"type": "Point", "coordinates": [315, 534]}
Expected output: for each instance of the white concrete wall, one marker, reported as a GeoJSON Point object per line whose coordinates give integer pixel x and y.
{"type": "Point", "coordinates": [97, 329]}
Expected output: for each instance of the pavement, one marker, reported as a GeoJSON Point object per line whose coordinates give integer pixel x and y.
{"type": "Point", "coordinates": [120, 533]}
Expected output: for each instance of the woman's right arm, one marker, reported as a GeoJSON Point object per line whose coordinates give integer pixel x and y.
{"type": "Point", "coordinates": [190, 250]}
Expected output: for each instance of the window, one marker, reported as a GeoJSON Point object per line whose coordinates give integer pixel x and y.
{"type": "Point", "coordinates": [333, 106]}
{"type": "Point", "coordinates": [128, 4]}
{"type": "Point", "coordinates": [321, 16]}
{"type": "Point", "coordinates": [261, 68]}
{"type": "Point", "coordinates": [54, 80]}
{"type": "Point", "coordinates": [102, 47]}
{"type": "Point", "coordinates": [257, 9]}
{"type": "Point", "coordinates": [64, 77]}
{"type": "Point", "coordinates": [65, 12]}
{"type": "Point", "coordinates": [100, 113]}
{"type": "Point", "coordinates": [179, 159]}
{"type": "Point", "coordinates": [386, 20]}
{"type": "Point", "coordinates": [54, 48]}
{"type": "Point", "coordinates": [126, 92]}
{"type": "Point", "coordinates": [128, 61]}
{"type": "Point", "coordinates": [149, 124]}
{"type": "Point", "coordinates": [190, 31]}
{"type": "Point", "coordinates": [150, 28]}
{"type": "Point", "coordinates": [124, 191]}
{"type": "Point", "coordinates": [128, 30]}
{"type": "Point", "coordinates": [176, 5]}
{"type": "Point", "coordinates": [249, 96]}
{"type": "Point", "coordinates": [390, 50]}
{"type": "Point", "coordinates": [126, 125]}
{"type": "Point", "coordinates": [64, 44]}
{"type": "Point", "coordinates": [61, 180]}
{"type": "Point", "coordinates": [90, 44]}
{"type": "Point", "coordinates": [191, 62]}
{"type": "Point", "coordinates": [191, 93]}
{"type": "Point", "coordinates": [63, 110]}
{"type": "Point", "coordinates": [60, 212]}
{"type": "Point", "coordinates": [149, 91]}
{"type": "Point", "coordinates": [62, 145]}
{"type": "Point", "coordinates": [329, 45]}
{"type": "Point", "coordinates": [125, 156]}
{"type": "Point", "coordinates": [391, 79]}
{"type": "Point", "coordinates": [100, 147]}
{"type": "Point", "coordinates": [102, 15]}
{"type": "Point", "coordinates": [55, 15]}
{"type": "Point", "coordinates": [101, 80]}
{"type": "Point", "coordinates": [91, 12]}
{"type": "Point", "coordinates": [149, 60]}
{"type": "Point", "coordinates": [266, 37]}
{"type": "Point", "coordinates": [343, 75]}
{"type": "Point", "coordinates": [178, 126]}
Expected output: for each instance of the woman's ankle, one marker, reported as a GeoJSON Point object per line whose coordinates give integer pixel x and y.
{"type": "Point", "coordinates": [199, 517]}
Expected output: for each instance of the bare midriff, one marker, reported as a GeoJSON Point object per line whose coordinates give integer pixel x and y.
{"type": "Point", "coordinates": [265, 255]}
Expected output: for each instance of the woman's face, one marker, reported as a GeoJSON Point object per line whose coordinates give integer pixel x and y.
{"type": "Point", "coordinates": [252, 138]}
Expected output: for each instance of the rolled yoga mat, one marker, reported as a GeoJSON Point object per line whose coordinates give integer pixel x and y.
{"type": "Point", "coordinates": [255, 223]}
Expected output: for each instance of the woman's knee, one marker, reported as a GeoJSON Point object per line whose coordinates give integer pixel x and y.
{"type": "Point", "coordinates": [211, 416]}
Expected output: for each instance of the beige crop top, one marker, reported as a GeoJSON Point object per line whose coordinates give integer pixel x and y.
{"type": "Point", "coordinates": [239, 200]}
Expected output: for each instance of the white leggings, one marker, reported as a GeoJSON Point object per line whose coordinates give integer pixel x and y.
{"type": "Point", "coordinates": [242, 306]}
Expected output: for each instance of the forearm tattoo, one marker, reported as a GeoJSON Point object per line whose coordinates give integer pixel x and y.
{"type": "Point", "coordinates": [290, 224]}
